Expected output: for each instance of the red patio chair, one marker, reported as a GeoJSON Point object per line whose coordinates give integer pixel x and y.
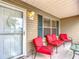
{"type": "Point", "coordinates": [40, 48]}
{"type": "Point", "coordinates": [53, 40]}
{"type": "Point", "coordinates": [65, 38]}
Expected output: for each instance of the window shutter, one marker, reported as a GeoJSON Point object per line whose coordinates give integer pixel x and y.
{"type": "Point", "coordinates": [40, 25]}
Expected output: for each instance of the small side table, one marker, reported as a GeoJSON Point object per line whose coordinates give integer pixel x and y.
{"type": "Point", "coordinates": [75, 49]}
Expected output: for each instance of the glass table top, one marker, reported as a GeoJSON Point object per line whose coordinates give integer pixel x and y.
{"type": "Point", "coordinates": [75, 47]}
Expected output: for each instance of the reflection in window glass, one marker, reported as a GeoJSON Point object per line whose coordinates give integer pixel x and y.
{"type": "Point", "coordinates": [57, 27]}
{"type": "Point", "coordinates": [46, 22]}
{"type": "Point", "coordinates": [11, 20]}
{"type": "Point", "coordinates": [46, 31]}
{"type": "Point", "coordinates": [53, 31]}
{"type": "Point", "coordinates": [53, 23]}
{"type": "Point", "coordinates": [11, 33]}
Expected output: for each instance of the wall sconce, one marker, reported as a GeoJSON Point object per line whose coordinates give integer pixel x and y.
{"type": "Point", "coordinates": [31, 15]}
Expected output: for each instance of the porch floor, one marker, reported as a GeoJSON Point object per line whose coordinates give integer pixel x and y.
{"type": "Point", "coordinates": [63, 53]}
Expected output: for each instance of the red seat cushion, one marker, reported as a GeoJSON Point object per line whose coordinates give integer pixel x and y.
{"type": "Point", "coordinates": [45, 50]}
{"type": "Point", "coordinates": [67, 40]}
{"type": "Point", "coordinates": [57, 42]}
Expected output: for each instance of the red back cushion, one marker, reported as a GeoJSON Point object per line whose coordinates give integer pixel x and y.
{"type": "Point", "coordinates": [54, 37]}
{"type": "Point", "coordinates": [38, 41]}
{"type": "Point", "coordinates": [63, 36]}
{"type": "Point", "coordinates": [49, 38]}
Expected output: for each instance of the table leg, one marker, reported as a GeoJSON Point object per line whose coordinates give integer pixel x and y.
{"type": "Point", "coordinates": [73, 54]}
{"type": "Point", "coordinates": [56, 49]}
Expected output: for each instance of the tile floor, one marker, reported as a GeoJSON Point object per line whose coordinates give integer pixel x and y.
{"type": "Point", "coordinates": [63, 53]}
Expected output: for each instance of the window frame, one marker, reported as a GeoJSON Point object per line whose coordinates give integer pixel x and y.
{"type": "Point", "coordinates": [11, 6]}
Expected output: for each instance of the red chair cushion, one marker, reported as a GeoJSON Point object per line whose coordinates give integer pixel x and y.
{"type": "Point", "coordinates": [49, 38]}
{"type": "Point", "coordinates": [64, 37]}
{"type": "Point", "coordinates": [52, 39]}
{"type": "Point", "coordinates": [45, 50]}
{"type": "Point", "coordinates": [38, 42]}
{"type": "Point", "coordinates": [57, 42]}
{"type": "Point", "coordinates": [67, 40]}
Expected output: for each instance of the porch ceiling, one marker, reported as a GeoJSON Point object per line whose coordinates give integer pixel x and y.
{"type": "Point", "coordinates": [59, 8]}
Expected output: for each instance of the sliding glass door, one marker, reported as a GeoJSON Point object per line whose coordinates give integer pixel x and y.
{"type": "Point", "coordinates": [11, 32]}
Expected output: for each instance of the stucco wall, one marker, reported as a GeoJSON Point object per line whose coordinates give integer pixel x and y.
{"type": "Point", "coordinates": [71, 27]}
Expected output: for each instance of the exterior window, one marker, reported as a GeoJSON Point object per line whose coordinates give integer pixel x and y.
{"type": "Point", "coordinates": [11, 33]}
{"type": "Point", "coordinates": [47, 26]}
{"type": "Point", "coordinates": [50, 26]}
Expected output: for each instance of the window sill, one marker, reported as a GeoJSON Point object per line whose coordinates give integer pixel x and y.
{"type": "Point", "coordinates": [18, 57]}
